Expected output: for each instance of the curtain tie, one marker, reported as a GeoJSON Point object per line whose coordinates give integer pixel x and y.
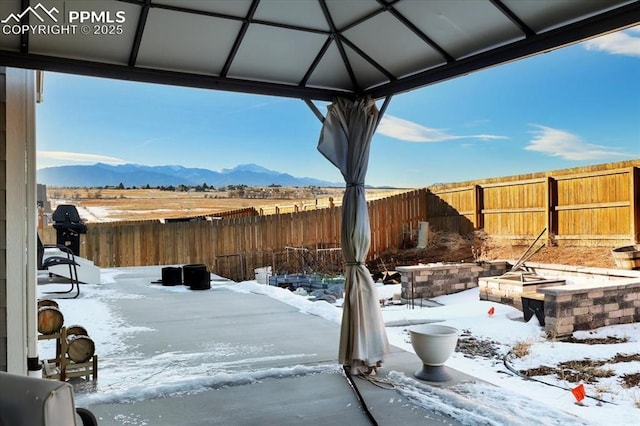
{"type": "Point", "coordinates": [354, 263]}
{"type": "Point", "coordinates": [352, 184]}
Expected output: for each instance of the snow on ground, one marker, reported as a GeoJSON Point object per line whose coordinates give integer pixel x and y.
{"type": "Point", "coordinates": [506, 326]}
{"type": "Point", "coordinates": [477, 403]}
{"type": "Point", "coordinates": [95, 214]}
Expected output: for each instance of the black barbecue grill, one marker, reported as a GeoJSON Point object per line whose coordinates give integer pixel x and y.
{"type": "Point", "coordinates": [69, 226]}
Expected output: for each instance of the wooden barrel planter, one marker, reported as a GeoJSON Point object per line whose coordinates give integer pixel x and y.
{"type": "Point", "coordinates": [47, 302]}
{"type": "Point", "coordinates": [627, 257]}
{"type": "Point", "coordinates": [80, 348]}
{"type": "Point", "coordinates": [50, 320]}
{"type": "Point", "coordinates": [76, 330]}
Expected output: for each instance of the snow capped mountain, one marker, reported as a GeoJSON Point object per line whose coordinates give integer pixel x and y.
{"type": "Point", "coordinates": [129, 175]}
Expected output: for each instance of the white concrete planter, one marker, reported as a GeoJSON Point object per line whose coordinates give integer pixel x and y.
{"type": "Point", "coordinates": [434, 344]}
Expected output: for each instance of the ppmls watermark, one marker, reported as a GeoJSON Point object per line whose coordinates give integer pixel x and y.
{"type": "Point", "coordinates": [76, 22]}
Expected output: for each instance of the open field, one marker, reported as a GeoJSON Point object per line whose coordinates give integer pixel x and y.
{"type": "Point", "coordinates": [110, 205]}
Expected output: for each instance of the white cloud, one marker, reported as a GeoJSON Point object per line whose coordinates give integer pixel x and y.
{"type": "Point", "coordinates": [78, 157]}
{"type": "Point", "coordinates": [559, 143]}
{"type": "Point", "coordinates": [409, 131]}
{"type": "Point", "coordinates": [621, 43]}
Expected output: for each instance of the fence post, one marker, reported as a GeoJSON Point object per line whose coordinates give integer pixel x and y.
{"type": "Point", "coordinates": [479, 206]}
{"type": "Point", "coordinates": [551, 201]}
{"type": "Point", "coordinates": [634, 204]}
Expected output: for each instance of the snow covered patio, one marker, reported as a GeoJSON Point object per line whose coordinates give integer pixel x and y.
{"type": "Point", "coordinates": [245, 353]}
{"type": "Point", "coordinates": [169, 355]}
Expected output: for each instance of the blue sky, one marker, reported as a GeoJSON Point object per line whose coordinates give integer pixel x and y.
{"type": "Point", "coordinates": [572, 107]}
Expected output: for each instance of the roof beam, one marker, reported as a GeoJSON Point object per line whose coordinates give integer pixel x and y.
{"type": "Point", "coordinates": [316, 61]}
{"type": "Point", "coordinates": [336, 37]}
{"type": "Point", "coordinates": [24, 36]}
{"type": "Point", "coordinates": [142, 21]}
{"type": "Point", "coordinates": [227, 17]}
{"type": "Point", "coordinates": [368, 16]}
{"type": "Point", "coordinates": [171, 78]}
{"type": "Point", "coordinates": [239, 38]}
{"type": "Point", "coordinates": [314, 109]}
{"type": "Point", "coordinates": [613, 20]}
{"type": "Point", "coordinates": [528, 32]}
{"type": "Point", "coordinates": [383, 109]}
{"type": "Point", "coordinates": [407, 23]}
{"type": "Point", "coordinates": [368, 58]}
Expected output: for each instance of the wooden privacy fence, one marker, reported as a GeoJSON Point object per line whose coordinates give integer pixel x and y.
{"type": "Point", "coordinates": [598, 205]}
{"type": "Point", "coordinates": [592, 206]}
{"type": "Point", "coordinates": [234, 247]}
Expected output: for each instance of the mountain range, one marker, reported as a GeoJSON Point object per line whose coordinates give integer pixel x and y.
{"type": "Point", "coordinates": [100, 175]}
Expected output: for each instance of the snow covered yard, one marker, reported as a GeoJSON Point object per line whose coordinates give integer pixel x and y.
{"type": "Point", "coordinates": [485, 340]}
{"type": "Point", "coordinates": [502, 332]}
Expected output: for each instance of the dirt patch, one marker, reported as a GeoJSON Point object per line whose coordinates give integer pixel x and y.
{"type": "Point", "coordinates": [587, 370]}
{"type": "Point", "coordinates": [596, 257]}
{"type": "Point", "coordinates": [631, 380]}
{"type": "Point", "coordinates": [451, 247]}
{"type": "Point", "coordinates": [473, 347]}
{"type": "Point", "coordinates": [599, 341]}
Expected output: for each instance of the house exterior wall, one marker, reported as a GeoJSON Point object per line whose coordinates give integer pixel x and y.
{"type": "Point", "coordinates": [18, 334]}
{"type": "Point", "coordinates": [3, 222]}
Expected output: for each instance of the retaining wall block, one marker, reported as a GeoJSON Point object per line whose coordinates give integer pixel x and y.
{"type": "Point", "coordinates": [550, 309]}
{"type": "Point", "coordinates": [584, 318]}
{"type": "Point", "coordinates": [421, 279]}
{"type": "Point", "coordinates": [613, 298]}
{"type": "Point", "coordinates": [626, 305]}
{"type": "Point", "coordinates": [626, 319]}
{"type": "Point", "coordinates": [596, 309]}
{"type": "Point", "coordinates": [560, 298]}
{"type": "Point", "coordinates": [494, 297]}
{"type": "Point", "coordinates": [611, 321]}
{"type": "Point", "coordinates": [578, 297]}
{"type": "Point", "coordinates": [493, 285]}
{"type": "Point", "coordinates": [563, 330]}
{"type": "Point", "coordinates": [585, 302]}
{"type": "Point", "coordinates": [628, 312]}
{"type": "Point", "coordinates": [616, 314]}
{"type": "Point", "coordinates": [596, 323]}
{"type": "Point", "coordinates": [593, 294]}
{"type": "Point", "coordinates": [568, 320]}
{"type": "Point", "coordinates": [581, 311]}
{"type": "Point", "coordinates": [631, 296]}
{"type": "Point", "coordinates": [600, 316]}
{"type": "Point", "coordinates": [609, 307]}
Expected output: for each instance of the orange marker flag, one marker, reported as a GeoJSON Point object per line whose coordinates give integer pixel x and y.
{"type": "Point", "coordinates": [492, 311]}
{"type": "Point", "coordinates": [579, 392]}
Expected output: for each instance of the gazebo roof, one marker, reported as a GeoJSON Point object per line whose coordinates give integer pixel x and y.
{"type": "Point", "coordinates": [309, 49]}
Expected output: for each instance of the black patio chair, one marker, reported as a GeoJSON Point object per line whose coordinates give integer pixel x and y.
{"type": "Point", "coordinates": [69, 260]}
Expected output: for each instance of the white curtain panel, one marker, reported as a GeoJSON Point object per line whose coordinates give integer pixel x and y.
{"type": "Point", "coordinates": [345, 140]}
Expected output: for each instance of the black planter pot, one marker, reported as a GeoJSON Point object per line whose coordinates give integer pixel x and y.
{"type": "Point", "coordinates": [197, 276]}
{"type": "Point", "coordinates": [171, 275]}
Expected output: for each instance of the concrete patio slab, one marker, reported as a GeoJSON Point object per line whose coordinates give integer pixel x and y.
{"type": "Point", "coordinates": [235, 334]}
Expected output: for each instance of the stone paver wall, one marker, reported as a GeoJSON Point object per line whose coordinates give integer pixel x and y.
{"type": "Point", "coordinates": [427, 281]}
{"type": "Point", "coordinates": [592, 297]}
{"type": "Point", "coordinates": [590, 306]}
{"type": "Point", "coordinates": [509, 292]}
